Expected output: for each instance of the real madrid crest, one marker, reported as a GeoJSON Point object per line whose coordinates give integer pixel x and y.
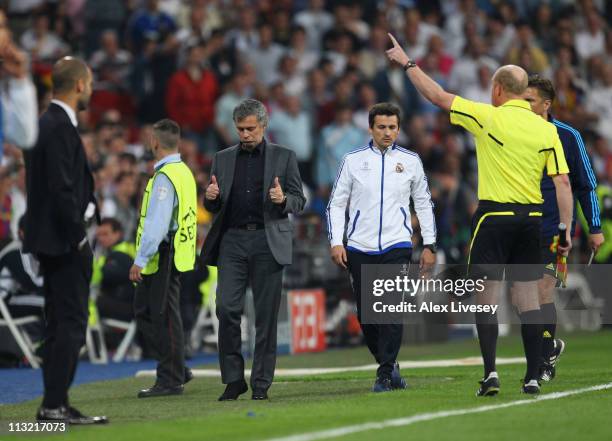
{"type": "Point", "coordinates": [399, 167]}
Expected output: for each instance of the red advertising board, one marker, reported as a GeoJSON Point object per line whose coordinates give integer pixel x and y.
{"type": "Point", "coordinates": [307, 309]}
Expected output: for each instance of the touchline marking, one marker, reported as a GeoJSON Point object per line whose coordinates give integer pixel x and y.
{"type": "Point", "coordinates": [406, 421]}
{"type": "Point", "coordinates": [298, 372]}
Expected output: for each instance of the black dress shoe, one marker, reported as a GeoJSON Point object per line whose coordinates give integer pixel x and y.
{"type": "Point", "coordinates": [188, 375]}
{"type": "Point", "coordinates": [160, 391]}
{"type": "Point", "coordinates": [234, 390]}
{"type": "Point", "coordinates": [68, 415]}
{"type": "Point", "coordinates": [77, 418]}
{"type": "Point", "coordinates": [260, 394]}
{"type": "Point", "coordinates": [57, 414]}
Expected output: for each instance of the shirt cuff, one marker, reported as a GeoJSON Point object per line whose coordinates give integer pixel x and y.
{"type": "Point", "coordinates": [141, 261]}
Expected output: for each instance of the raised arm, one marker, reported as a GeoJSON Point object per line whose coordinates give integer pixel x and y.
{"type": "Point", "coordinates": [427, 87]}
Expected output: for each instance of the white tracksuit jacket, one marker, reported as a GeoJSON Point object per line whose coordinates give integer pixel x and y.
{"type": "Point", "coordinates": [377, 188]}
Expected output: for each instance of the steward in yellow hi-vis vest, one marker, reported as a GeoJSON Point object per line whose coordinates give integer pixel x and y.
{"type": "Point", "coordinates": [165, 248]}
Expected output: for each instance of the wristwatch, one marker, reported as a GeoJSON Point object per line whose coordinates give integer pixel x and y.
{"type": "Point", "coordinates": [409, 64]}
{"type": "Point", "coordinates": [431, 247]}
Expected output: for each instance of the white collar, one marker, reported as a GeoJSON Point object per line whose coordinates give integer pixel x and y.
{"type": "Point", "coordinates": [69, 111]}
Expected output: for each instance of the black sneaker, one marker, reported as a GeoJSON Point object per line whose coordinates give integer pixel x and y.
{"type": "Point", "coordinates": [382, 384]}
{"type": "Point", "coordinates": [489, 386]}
{"type": "Point", "coordinates": [397, 381]}
{"type": "Point", "coordinates": [548, 370]}
{"type": "Point", "coordinates": [531, 388]}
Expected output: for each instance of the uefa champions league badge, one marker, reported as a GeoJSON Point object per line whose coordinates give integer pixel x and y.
{"type": "Point", "coordinates": [399, 167]}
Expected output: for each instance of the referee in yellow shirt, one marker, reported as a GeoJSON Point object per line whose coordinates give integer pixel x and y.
{"type": "Point", "coordinates": [513, 146]}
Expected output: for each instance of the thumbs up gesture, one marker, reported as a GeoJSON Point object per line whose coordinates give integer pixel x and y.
{"type": "Point", "coordinates": [276, 193]}
{"type": "Point", "coordinates": [212, 191]}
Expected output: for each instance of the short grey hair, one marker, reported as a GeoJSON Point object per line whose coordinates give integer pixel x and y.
{"type": "Point", "coordinates": [250, 107]}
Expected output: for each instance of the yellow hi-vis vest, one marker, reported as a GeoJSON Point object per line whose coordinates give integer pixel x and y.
{"type": "Point", "coordinates": [185, 236]}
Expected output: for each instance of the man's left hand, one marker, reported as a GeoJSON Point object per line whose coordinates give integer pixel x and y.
{"type": "Point", "coordinates": [276, 193]}
{"type": "Point", "coordinates": [135, 274]}
{"type": "Point", "coordinates": [428, 260]}
{"type": "Point", "coordinates": [595, 241]}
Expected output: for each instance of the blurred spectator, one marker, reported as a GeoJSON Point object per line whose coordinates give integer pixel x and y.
{"type": "Point", "coordinates": [316, 21]}
{"type": "Point", "coordinates": [102, 16]}
{"type": "Point", "coordinates": [6, 183]}
{"type": "Point", "coordinates": [265, 56]}
{"type": "Point", "coordinates": [224, 110]}
{"type": "Point", "coordinates": [110, 64]}
{"type": "Point", "coordinates": [366, 98]}
{"type": "Point", "coordinates": [435, 51]}
{"type": "Point", "coordinates": [500, 36]}
{"type": "Point", "coordinates": [591, 41]}
{"type": "Point", "coordinates": [566, 106]}
{"type": "Point", "coordinates": [18, 104]}
{"type": "Point", "coordinates": [599, 102]}
{"type": "Point", "coordinates": [465, 71]}
{"type": "Point", "coordinates": [307, 58]}
{"type": "Point", "coordinates": [221, 59]}
{"type": "Point", "coordinates": [292, 79]}
{"type": "Point", "coordinates": [121, 204]}
{"type": "Point", "coordinates": [337, 139]}
{"type": "Point", "coordinates": [481, 91]}
{"type": "Point", "coordinates": [290, 126]}
{"type": "Point", "coordinates": [42, 44]}
{"type": "Point", "coordinates": [281, 27]}
{"type": "Point", "coordinates": [393, 85]}
{"type": "Point", "coordinates": [151, 71]}
{"type": "Point", "coordinates": [417, 34]}
{"type": "Point", "coordinates": [244, 36]}
{"type": "Point", "coordinates": [149, 24]}
{"type": "Point", "coordinates": [372, 58]}
{"type": "Point", "coordinates": [195, 32]}
{"type": "Point", "coordinates": [18, 199]}
{"type": "Point", "coordinates": [190, 98]}
{"type": "Point", "coordinates": [111, 272]}
{"type": "Point", "coordinates": [544, 28]}
{"type": "Point", "coordinates": [525, 41]}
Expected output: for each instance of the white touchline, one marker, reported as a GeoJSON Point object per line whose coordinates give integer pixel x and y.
{"type": "Point", "coordinates": [298, 372]}
{"type": "Point", "coordinates": [406, 421]}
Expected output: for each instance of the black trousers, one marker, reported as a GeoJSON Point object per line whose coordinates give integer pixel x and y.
{"type": "Point", "coordinates": [158, 317]}
{"type": "Point", "coordinates": [66, 288]}
{"type": "Point", "coordinates": [245, 258]}
{"type": "Point", "coordinates": [383, 341]}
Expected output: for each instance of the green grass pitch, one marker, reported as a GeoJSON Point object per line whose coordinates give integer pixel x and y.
{"type": "Point", "coordinates": [319, 402]}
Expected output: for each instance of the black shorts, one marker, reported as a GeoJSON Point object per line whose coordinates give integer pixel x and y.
{"type": "Point", "coordinates": [506, 238]}
{"type": "Point", "coordinates": [549, 254]}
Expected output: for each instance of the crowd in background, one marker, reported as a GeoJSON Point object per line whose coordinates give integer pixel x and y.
{"type": "Point", "coordinates": [318, 66]}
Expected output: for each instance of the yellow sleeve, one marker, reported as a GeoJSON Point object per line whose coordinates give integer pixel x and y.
{"type": "Point", "coordinates": [556, 163]}
{"type": "Point", "coordinates": [470, 115]}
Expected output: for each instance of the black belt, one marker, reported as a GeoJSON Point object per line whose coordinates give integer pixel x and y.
{"type": "Point", "coordinates": [250, 227]}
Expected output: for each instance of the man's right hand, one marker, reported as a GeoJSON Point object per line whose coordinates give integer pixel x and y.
{"type": "Point", "coordinates": [212, 191]}
{"type": "Point", "coordinates": [338, 255]}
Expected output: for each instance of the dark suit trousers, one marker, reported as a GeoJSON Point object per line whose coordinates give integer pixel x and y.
{"type": "Point", "coordinates": [383, 341]}
{"type": "Point", "coordinates": [66, 286]}
{"type": "Point", "coordinates": [158, 317]}
{"type": "Point", "coordinates": [245, 258]}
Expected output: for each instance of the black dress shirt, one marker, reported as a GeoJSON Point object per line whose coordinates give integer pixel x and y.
{"type": "Point", "coordinates": [246, 198]}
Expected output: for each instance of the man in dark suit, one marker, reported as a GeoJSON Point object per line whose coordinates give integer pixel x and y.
{"type": "Point", "coordinates": [60, 200]}
{"type": "Point", "coordinates": [254, 186]}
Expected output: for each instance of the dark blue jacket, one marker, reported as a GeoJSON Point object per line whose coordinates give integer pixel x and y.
{"type": "Point", "coordinates": [582, 178]}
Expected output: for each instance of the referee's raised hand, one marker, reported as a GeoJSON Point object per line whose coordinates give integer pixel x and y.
{"type": "Point", "coordinates": [396, 53]}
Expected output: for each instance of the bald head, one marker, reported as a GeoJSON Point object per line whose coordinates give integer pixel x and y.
{"type": "Point", "coordinates": [512, 79]}
{"type": "Point", "coordinates": [66, 73]}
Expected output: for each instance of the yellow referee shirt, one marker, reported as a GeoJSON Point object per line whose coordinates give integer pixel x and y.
{"type": "Point", "coordinates": [513, 145]}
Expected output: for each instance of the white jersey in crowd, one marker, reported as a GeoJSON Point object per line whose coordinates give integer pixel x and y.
{"type": "Point", "coordinates": [377, 188]}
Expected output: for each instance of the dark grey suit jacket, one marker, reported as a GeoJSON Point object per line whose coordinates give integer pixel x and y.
{"type": "Point", "coordinates": [279, 161]}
